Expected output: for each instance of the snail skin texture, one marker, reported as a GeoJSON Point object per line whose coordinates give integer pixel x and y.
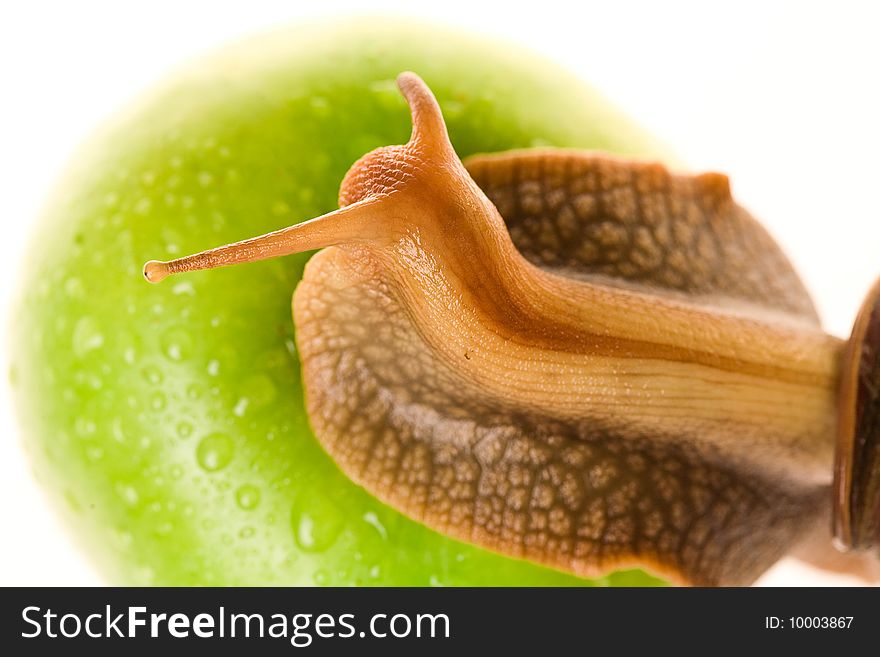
{"type": "Point", "coordinates": [579, 360]}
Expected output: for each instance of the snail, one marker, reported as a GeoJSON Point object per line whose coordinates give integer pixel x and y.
{"type": "Point", "coordinates": [579, 360]}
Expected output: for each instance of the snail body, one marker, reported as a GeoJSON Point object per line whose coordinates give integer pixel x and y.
{"type": "Point", "coordinates": [561, 356]}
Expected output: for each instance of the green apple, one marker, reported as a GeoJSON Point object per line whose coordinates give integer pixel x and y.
{"type": "Point", "coordinates": [167, 422]}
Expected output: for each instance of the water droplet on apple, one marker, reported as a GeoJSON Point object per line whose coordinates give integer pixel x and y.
{"type": "Point", "coordinates": [144, 576]}
{"type": "Point", "coordinates": [177, 344]}
{"type": "Point", "coordinates": [142, 207]}
{"type": "Point", "coordinates": [247, 497]}
{"type": "Point", "coordinates": [117, 430]}
{"type": "Point", "coordinates": [372, 519]}
{"type": "Point", "coordinates": [121, 539]}
{"type": "Point", "coordinates": [386, 92]}
{"type": "Point", "coordinates": [72, 501]}
{"type": "Point", "coordinates": [184, 287]}
{"type": "Point", "coordinates": [246, 532]}
{"type": "Point", "coordinates": [158, 401]}
{"type": "Point", "coordinates": [214, 452]}
{"type": "Point", "coordinates": [280, 208]}
{"type": "Point", "coordinates": [320, 106]}
{"type": "Point", "coordinates": [259, 390]}
{"type": "Point", "coordinates": [218, 220]}
{"type": "Point", "coordinates": [152, 374]}
{"type": "Point", "coordinates": [88, 379]}
{"type": "Point", "coordinates": [74, 288]}
{"type": "Point", "coordinates": [84, 426]}
{"type": "Point", "coordinates": [241, 407]}
{"type": "Point", "coordinates": [86, 336]}
{"type": "Point", "coordinates": [129, 494]}
{"type": "Point", "coordinates": [184, 429]}
{"type": "Point", "coordinates": [452, 108]}
{"type": "Point", "coordinates": [205, 178]}
{"type": "Point", "coordinates": [316, 523]}
{"type": "Point", "coordinates": [148, 178]}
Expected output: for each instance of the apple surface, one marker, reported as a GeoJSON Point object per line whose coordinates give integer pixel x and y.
{"type": "Point", "coordinates": [167, 422]}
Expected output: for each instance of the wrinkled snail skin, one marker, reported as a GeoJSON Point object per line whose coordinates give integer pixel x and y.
{"type": "Point", "coordinates": [619, 368]}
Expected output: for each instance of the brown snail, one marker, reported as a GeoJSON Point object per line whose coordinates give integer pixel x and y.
{"type": "Point", "coordinates": [579, 360]}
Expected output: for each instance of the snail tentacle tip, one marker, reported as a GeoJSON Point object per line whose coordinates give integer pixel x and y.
{"type": "Point", "coordinates": [427, 118]}
{"type": "Point", "coordinates": [156, 271]}
{"type": "Point", "coordinates": [408, 80]}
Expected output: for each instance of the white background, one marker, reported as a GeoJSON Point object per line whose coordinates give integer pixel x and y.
{"type": "Point", "coordinates": [781, 96]}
